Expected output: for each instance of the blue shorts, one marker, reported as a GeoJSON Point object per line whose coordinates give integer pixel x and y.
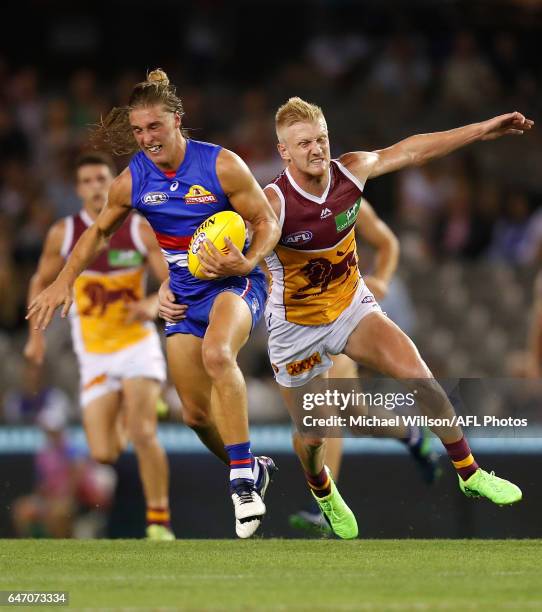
{"type": "Point", "coordinates": [252, 290]}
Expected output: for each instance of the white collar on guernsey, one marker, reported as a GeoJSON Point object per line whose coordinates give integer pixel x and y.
{"type": "Point", "coordinates": [309, 196]}
{"type": "Point", "coordinates": [87, 219]}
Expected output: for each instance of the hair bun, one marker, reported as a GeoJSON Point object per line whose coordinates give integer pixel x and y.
{"type": "Point", "coordinates": [158, 76]}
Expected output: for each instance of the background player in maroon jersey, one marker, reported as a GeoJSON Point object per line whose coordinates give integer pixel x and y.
{"type": "Point", "coordinates": [120, 359]}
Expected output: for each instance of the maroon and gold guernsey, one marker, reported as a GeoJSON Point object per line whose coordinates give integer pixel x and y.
{"type": "Point", "coordinates": [114, 279]}
{"type": "Point", "coordinates": [314, 266]}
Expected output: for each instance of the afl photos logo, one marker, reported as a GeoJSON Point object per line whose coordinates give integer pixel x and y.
{"type": "Point", "coordinates": [199, 195]}
{"type": "Point", "coordinates": [153, 198]}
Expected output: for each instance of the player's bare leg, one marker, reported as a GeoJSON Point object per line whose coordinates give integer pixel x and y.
{"type": "Point", "coordinates": [58, 518]}
{"type": "Point", "coordinates": [198, 399]}
{"type": "Point", "coordinates": [194, 385]}
{"type": "Point", "coordinates": [27, 515]}
{"type": "Point", "coordinates": [140, 397]}
{"type": "Point", "coordinates": [380, 344]}
{"type": "Point", "coordinates": [334, 455]}
{"type": "Point", "coordinates": [207, 378]}
{"type": "Point", "coordinates": [311, 451]}
{"type": "Point", "coordinates": [343, 367]}
{"type": "Point", "coordinates": [416, 439]}
{"type": "Point", "coordinates": [101, 423]}
{"type": "Point", "coordinates": [230, 322]}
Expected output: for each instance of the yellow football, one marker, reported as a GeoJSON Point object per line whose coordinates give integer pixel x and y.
{"type": "Point", "coordinates": [225, 224]}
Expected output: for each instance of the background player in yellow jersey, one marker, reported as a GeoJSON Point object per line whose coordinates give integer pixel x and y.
{"type": "Point", "coordinates": [117, 346]}
{"type": "Point", "coordinates": [319, 305]}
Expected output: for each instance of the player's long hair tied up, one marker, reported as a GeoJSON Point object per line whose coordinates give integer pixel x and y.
{"type": "Point", "coordinates": [114, 132]}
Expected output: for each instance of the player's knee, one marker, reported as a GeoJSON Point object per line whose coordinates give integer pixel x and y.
{"type": "Point", "coordinates": [142, 435]}
{"type": "Point", "coordinates": [217, 358]}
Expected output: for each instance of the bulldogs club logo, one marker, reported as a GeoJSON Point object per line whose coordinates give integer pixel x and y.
{"type": "Point", "coordinates": [199, 195]}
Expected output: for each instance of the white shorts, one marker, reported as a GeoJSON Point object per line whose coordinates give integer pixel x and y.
{"type": "Point", "coordinates": [298, 353]}
{"type": "Point", "coordinates": [103, 373]}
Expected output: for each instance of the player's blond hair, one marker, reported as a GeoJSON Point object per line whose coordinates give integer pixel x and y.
{"type": "Point", "coordinates": [295, 110]}
{"type": "Point", "coordinates": [115, 133]}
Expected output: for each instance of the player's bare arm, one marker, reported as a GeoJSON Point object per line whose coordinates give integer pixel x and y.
{"type": "Point", "coordinates": [49, 266]}
{"type": "Point", "coordinates": [149, 307]}
{"type": "Point", "coordinates": [248, 199]}
{"type": "Point", "coordinates": [157, 263]}
{"type": "Point", "coordinates": [88, 246]}
{"type": "Point", "coordinates": [273, 200]}
{"type": "Point", "coordinates": [422, 148]}
{"type": "Point", "coordinates": [378, 235]}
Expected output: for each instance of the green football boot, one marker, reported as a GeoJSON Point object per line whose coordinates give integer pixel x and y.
{"type": "Point", "coordinates": [339, 516]}
{"type": "Point", "coordinates": [159, 533]}
{"type": "Point", "coordinates": [484, 484]}
{"type": "Point", "coordinates": [313, 523]}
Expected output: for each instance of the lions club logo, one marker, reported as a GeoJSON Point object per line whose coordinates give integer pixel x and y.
{"type": "Point", "coordinates": [199, 195]}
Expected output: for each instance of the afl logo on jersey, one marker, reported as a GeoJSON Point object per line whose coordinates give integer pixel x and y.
{"type": "Point", "coordinates": [199, 195]}
{"type": "Point", "coordinates": [297, 238]}
{"type": "Point", "coordinates": [199, 240]}
{"type": "Point", "coordinates": [153, 198]}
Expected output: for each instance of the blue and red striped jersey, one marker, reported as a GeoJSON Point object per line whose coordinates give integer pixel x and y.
{"type": "Point", "coordinates": [176, 205]}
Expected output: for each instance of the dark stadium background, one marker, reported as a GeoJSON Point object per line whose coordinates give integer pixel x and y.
{"type": "Point", "coordinates": [470, 226]}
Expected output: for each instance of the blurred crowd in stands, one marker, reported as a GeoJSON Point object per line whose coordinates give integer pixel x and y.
{"type": "Point", "coordinates": [376, 85]}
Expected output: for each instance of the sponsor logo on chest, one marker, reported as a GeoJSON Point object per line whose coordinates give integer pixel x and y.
{"type": "Point", "coordinates": [347, 217]}
{"type": "Point", "coordinates": [199, 195]}
{"type": "Point", "coordinates": [124, 258]}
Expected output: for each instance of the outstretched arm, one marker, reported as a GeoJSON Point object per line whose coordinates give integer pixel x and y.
{"type": "Point", "coordinates": [50, 264]}
{"type": "Point", "coordinates": [248, 199]}
{"type": "Point", "coordinates": [377, 234]}
{"type": "Point", "coordinates": [418, 150]}
{"type": "Point", "coordinates": [91, 241]}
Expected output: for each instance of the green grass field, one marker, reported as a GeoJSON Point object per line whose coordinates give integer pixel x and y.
{"type": "Point", "coordinates": [280, 574]}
